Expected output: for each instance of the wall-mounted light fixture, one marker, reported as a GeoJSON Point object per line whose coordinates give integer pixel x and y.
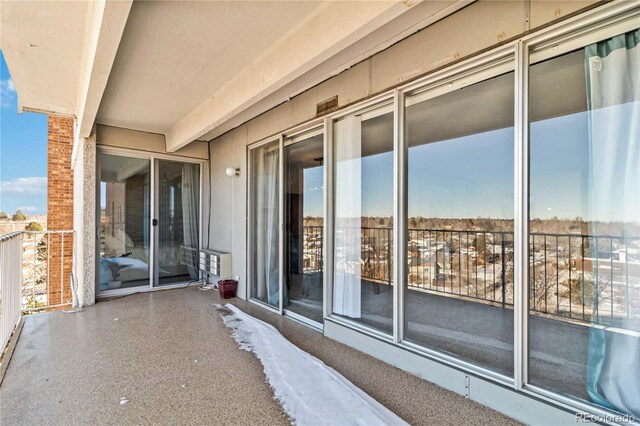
{"type": "Point", "coordinates": [232, 171]}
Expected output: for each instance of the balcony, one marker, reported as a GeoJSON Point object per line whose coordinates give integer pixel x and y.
{"type": "Point", "coordinates": [162, 351]}
{"type": "Point", "coordinates": [172, 359]}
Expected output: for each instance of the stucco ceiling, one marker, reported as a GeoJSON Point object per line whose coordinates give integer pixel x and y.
{"type": "Point", "coordinates": [30, 43]}
{"type": "Point", "coordinates": [191, 69]}
{"type": "Point", "coordinates": [174, 55]}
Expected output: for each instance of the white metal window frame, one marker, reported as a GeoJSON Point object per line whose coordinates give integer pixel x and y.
{"type": "Point", "coordinates": [203, 204]}
{"type": "Point", "coordinates": [250, 227]}
{"type": "Point", "coordinates": [600, 23]}
{"type": "Point", "coordinates": [483, 67]}
{"type": "Point", "coordinates": [289, 137]}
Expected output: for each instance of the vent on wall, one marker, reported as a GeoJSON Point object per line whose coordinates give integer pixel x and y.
{"type": "Point", "coordinates": [327, 105]}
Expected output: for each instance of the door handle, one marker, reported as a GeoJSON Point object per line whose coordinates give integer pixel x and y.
{"type": "Point", "coordinates": [154, 222]}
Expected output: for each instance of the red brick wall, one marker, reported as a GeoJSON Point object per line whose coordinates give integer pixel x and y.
{"type": "Point", "coordinates": [60, 207]}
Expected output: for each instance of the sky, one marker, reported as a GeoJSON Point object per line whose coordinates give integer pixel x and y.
{"type": "Point", "coordinates": [573, 174]}
{"type": "Point", "coordinates": [23, 153]}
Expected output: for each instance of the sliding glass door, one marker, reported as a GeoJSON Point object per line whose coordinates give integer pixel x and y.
{"type": "Point", "coordinates": [124, 222]}
{"type": "Point", "coordinates": [363, 209]}
{"type": "Point", "coordinates": [286, 228]}
{"type": "Point", "coordinates": [178, 201]}
{"type": "Point", "coordinates": [303, 225]}
{"type": "Point", "coordinates": [148, 222]}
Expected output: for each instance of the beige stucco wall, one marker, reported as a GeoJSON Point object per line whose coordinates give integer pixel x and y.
{"type": "Point", "coordinates": [144, 141]}
{"type": "Point", "coordinates": [84, 220]}
{"type": "Point", "coordinates": [478, 27]}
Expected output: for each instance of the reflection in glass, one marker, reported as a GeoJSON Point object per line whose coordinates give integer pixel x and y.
{"type": "Point", "coordinates": [363, 156]}
{"type": "Point", "coordinates": [584, 242]}
{"type": "Point", "coordinates": [264, 270]}
{"type": "Point", "coordinates": [124, 222]}
{"type": "Point", "coordinates": [303, 197]}
{"type": "Point", "coordinates": [178, 215]}
{"type": "Point", "coordinates": [459, 293]}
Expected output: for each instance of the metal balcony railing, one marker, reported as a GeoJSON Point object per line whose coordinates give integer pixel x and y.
{"type": "Point", "coordinates": [574, 276]}
{"type": "Point", "coordinates": [46, 262]}
{"type": "Point", "coordinates": [35, 274]}
{"type": "Point", "coordinates": [10, 282]}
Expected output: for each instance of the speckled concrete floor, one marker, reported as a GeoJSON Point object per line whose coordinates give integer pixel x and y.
{"type": "Point", "coordinates": [170, 354]}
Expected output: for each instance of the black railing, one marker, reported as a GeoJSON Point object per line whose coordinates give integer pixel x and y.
{"type": "Point", "coordinates": [477, 265]}
{"type": "Point", "coordinates": [313, 246]}
{"type": "Point", "coordinates": [574, 276]}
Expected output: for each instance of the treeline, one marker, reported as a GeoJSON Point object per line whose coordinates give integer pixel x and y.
{"type": "Point", "coordinates": [554, 225]}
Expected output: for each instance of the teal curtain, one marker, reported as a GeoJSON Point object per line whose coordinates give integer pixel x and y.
{"type": "Point", "coordinates": [613, 98]}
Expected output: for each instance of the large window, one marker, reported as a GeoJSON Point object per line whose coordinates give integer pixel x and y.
{"type": "Point", "coordinates": [459, 292]}
{"type": "Point", "coordinates": [584, 241]}
{"type": "Point", "coordinates": [363, 234]}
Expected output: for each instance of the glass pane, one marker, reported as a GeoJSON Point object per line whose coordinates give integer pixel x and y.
{"type": "Point", "coordinates": [584, 242]}
{"type": "Point", "coordinates": [124, 222]}
{"type": "Point", "coordinates": [459, 294]}
{"type": "Point", "coordinates": [363, 155]}
{"type": "Point", "coordinates": [264, 270]}
{"type": "Point", "coordinates": [178, 215]}
{"type": "Point", "coordinates": [303, 198]}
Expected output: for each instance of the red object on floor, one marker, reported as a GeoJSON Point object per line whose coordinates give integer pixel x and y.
{"type": "Point", "coordinates": [227, 288]}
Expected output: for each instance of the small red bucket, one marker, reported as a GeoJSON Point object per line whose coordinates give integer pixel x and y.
{"type": "Point", "coordinates": [227, 288]}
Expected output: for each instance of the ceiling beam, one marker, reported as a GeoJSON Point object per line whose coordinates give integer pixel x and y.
{"type": "Point", "coordinates": [422, 15]}
{"type": "Point", "coordinates": [107, 21]}
{"type": "Point", "coordinates": [330, 30]}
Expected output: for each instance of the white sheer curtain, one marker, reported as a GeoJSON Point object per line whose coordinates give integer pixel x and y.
{"type": "Point", "coordinates": [613, 87]}
{"type": "Point", "coordinates": [190, 209]}
{"type": "Point", "coordinates": [267, 266]}
{"type": "Point", "coordinates": [348, 210]}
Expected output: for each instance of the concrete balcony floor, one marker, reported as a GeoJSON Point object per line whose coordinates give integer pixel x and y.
{"type": "Point", "coordinates": [170, 354]}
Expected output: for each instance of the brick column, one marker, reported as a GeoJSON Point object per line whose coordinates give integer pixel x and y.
{"type": "Point", "coordinates": [60, 207]}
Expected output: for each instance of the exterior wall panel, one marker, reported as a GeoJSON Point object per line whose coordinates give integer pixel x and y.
{"type": "Point", "coordinates": [221, 194]}
{"type": "Point", "coordinates": [350, 86]}
{"type": "Point", "coordinates": [272, 121]}
{"type": "Point", "coordinates": [239, 217]}
{"type": "Point", "coordinates": [543, 12]}
{"type": "Point", "coordinates": [145, 141]}
{"type": "Point", "coordinates": [470, 30]}
{"type": "Point", "coordinates": [304, 105]}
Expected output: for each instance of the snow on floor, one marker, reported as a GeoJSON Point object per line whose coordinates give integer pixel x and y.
{"type": "Point", "coordinates": [310, 392]}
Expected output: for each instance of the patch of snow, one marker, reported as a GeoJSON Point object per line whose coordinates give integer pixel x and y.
{"type": "Point", "coordinates": [310, 392]}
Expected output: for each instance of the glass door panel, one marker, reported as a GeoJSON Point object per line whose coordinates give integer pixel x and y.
{"type": "Point", "coordinates": [177, 230]}
{"type": "Point", "coordinates": [584, 224]}
{"type": "Point", "coordinates": [124, 228]}
{"type": "Point", "coordinates": [459, 288]}
{"type": "Point", "coordinates": [264, 181]}
{"type": "Point", "coordinates": [303, 207]}
{"type": "Point", "coordinates": [363, 209]}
